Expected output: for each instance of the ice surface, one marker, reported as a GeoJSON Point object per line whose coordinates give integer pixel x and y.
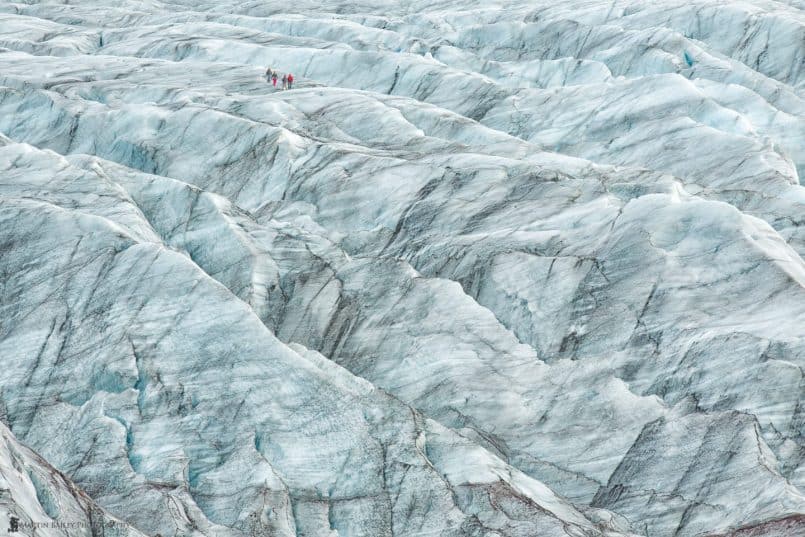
{"type": "Point", "coordinates": [522, 269]}
{"type": "Point", "coordinates": [37, 499]}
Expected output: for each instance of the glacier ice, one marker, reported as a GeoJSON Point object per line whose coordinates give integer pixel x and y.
{"type": "Point", "coordinates": [513, 270]}
{"type": "Point", "coordinates": [35, 498]}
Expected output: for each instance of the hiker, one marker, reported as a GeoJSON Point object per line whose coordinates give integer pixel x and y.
{"type": "Point", "coordinates": [274, 78]}
{"type": "Point", "coordinates": [284, 81]}
{"type": "Point", "coordinates": [290, 80]}
{"type": "Point", "coordinates": [269, 72]}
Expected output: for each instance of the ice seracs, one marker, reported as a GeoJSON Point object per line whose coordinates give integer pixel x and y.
{"type": "Point", "coordinates": [518, 270]}
{"type": "Point", "coordinates": [37, 499]}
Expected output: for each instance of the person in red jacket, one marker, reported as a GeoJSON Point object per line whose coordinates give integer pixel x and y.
{"type": "Point", "coordinates": [290, 80]}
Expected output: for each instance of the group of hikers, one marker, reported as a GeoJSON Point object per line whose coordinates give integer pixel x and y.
{"type": "Point", "coordinates": [272, 76]}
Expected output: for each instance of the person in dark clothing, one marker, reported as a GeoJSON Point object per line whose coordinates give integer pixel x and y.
{"type": "Point", "coordinates": [274, 78]}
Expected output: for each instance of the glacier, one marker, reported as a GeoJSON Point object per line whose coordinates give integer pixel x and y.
{"type": "Point", "coordinates": [489, 269]}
